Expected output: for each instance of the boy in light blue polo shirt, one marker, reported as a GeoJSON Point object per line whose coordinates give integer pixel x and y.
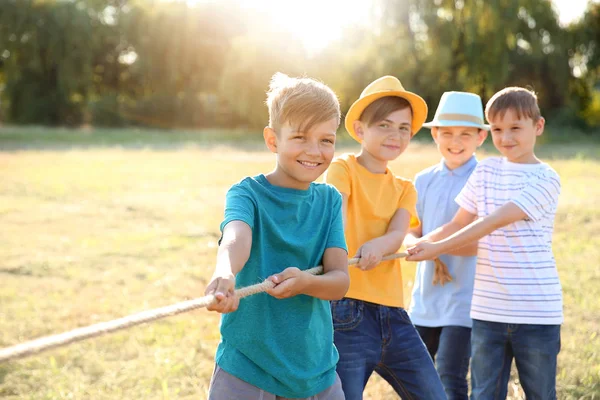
{"type": "Point", "coordinates": [441, 311]}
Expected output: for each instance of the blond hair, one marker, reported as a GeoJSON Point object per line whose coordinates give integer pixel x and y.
{"type": "Point", "coordinates": [522, 101]}
{"type": "Point", "coordinates": [301, 102]}
{"type": "Point", "coordinates": [381, 108]}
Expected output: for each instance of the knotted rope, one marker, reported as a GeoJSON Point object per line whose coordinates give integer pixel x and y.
{"type": "Point", "coordinates": [441, 275]}
{"type": "Point", "coordinates": [50, 342]}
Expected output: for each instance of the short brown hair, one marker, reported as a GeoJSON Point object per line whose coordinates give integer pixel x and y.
{"type": "Point", "coordinates": [301, 102]}
{"type": "Point", "coordinates": [381, 108]}
{"type": "Point", "coordinates": [520, 100]}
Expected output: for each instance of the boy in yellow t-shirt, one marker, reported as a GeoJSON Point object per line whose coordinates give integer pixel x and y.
{"type": "Point", "coordinates": [372, 330]}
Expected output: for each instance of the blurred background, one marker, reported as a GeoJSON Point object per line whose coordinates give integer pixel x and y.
{"type": "Point", "coordinates": [207, 63]}
{"type": "Point", "coordinates": [124, 122]}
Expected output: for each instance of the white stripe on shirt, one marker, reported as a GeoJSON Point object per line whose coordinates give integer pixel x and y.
{"type": "Point", "coordinates": [516, 279]}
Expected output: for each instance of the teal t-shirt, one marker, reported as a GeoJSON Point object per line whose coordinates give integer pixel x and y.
{"type": "Point", "coordinates": [284, 347]}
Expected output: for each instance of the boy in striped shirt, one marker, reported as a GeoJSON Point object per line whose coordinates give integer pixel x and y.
{"type": "Point", "coordinates": [509, 204]}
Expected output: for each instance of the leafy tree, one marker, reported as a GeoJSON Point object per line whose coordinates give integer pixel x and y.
{"type": "Point", "coordinates": [585, 63]}
{"type": "Point", "coordinates": [45, 46]}
{"type": "Point", "coordinates": [176, 63]}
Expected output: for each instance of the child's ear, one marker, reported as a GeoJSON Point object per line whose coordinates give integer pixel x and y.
{"type": "Point", "coordinates": [270, 138]}
{"type": "Point", "coordinates": [483, 133]}
{"type": "Point", "coordinates": [358, 129]}
{"type": "Point", "coordinates": [434, 133]}
{"type": "Point", "coordinates": [539, 126]}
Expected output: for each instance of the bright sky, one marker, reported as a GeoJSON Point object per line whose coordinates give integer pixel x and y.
{"type": "Point", "coordinates": [318, 22]}
{"type": "Point", "coordinates": [315, 22]}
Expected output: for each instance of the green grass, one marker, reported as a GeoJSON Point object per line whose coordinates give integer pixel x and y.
{"type": "Point", "coordinates": [35, 137]}
{"type": "Point", "coordinates": [98, 230]}
{"type": "Point", "coordinates": [14, 138]}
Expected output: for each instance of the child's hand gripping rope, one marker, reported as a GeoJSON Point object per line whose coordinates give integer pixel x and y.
{"type": "Point", "coordinates": [49, 342]}
{"type": "Point", "coordinates": [441, 275]}
{"type": "Point", "coordinates": [223, 290]}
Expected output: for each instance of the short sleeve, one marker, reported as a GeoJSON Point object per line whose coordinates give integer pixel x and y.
{"type": "Point", "coordinates": [338, 175]}
{"type": "Point", "coordinates": [240, 205]}
{"type": "Point", "coordinates": [408, 201]}
{"type": "Point", "coordinates": [419, 187]}
{"type": "Point", "coordinates": [539, 197]}
{"type": "Point", "coordinates": [467, 198]}
{"type": "Point", "coordinates": [336, 236]}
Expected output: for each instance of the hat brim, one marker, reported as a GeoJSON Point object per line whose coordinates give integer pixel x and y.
{"type": "Point", "coordinates": [442, 123]}
{"type": "Point", "coordinates": [418, 105]}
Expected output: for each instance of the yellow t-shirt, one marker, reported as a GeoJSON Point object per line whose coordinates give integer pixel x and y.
{"type": "Point", "coordinates": [373, 199]}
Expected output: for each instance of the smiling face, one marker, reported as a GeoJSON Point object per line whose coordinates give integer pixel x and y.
{"type": "Point", "coordinates": [457, 143]}
{"type": "Point", "coordinates": [386, 139]}
{"type": "Point", "coordinates": [515, 137]}
{"type": "Point", "coordinates": [301, 156]}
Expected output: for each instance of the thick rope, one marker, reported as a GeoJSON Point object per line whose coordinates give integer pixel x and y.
{"type": "Point", "coordinates": [50, 342]}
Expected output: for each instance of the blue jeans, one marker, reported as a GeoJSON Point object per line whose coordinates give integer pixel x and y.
{"type": "Point", "coordinates": [534, 348]}
{"type": "Point", "coordinates": [450, 348]}
{"type": "Point", "coordinates": [371, 337]}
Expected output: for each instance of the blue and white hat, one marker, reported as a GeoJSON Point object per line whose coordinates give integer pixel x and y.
{"type": "Point", "coordinates": [459, 109]}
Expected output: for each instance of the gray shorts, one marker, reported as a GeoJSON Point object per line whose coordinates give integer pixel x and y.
{"type": "Point", "coordinates": [224, 386]}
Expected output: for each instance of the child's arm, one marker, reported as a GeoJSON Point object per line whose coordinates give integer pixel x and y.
{"type": "Point", "coordinates": [232, 255]}
{"type": "Point", "coordinates": [372, 252]}
{"type": "Point", "coordinates": [344, 208]}
{"type": "Point", "coordinates": [413, 236]}
{"type": "Point", "coordinates": [332, 285]}
{"type": "Point", "coordinates": [507, 214]}
{"type": "Point", "coordinates": [461, 219]}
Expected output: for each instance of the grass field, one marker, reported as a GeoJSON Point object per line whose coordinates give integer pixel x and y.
{"type": "Point", "coordinates": [101, 230]}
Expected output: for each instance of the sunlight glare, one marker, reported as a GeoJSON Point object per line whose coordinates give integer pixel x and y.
{"type": "Point", "coordinates": [570, 10]}
{"type": "Point", "coordinates": [316, 23]}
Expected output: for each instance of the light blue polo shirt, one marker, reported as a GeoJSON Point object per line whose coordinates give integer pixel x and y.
{"type": "Point", "coordinates": [436, 306]}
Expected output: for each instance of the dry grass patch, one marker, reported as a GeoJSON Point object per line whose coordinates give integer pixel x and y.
{"type": "Point", "coordinates": [91, 235]}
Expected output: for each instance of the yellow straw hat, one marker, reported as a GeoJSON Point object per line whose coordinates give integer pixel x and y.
{"type": "Point", "coordinates": [383, 87]}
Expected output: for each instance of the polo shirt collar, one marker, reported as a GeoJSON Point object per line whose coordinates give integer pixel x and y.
{"type": "Point", "coordinates": [460, 171]}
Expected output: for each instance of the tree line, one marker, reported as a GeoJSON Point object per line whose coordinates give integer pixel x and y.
{"type": "Point", "coordinates": [207, 64]}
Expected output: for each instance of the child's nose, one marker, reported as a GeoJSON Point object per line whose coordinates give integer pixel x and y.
{"type": "Point", "coordinates": [397, 133]}
{"type": "Point", "coordinates": [312, 148]}
{"type": "Point", "coordinates": [505, 135]}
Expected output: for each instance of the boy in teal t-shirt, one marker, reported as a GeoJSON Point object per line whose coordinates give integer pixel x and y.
{"type": "Point", "coordinates": [277, 225]}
